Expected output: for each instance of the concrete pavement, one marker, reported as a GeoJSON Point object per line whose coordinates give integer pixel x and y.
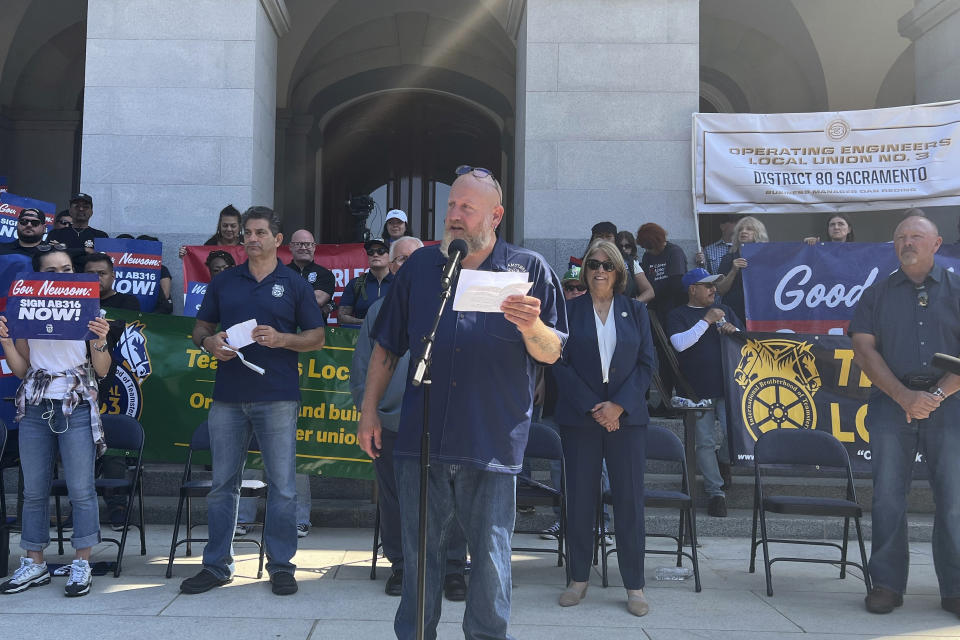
{"type": "Point", "coordinates": [338, 600]}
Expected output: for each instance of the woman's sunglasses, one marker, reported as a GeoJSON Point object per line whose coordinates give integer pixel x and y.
{"type": "Point", "coordinates": [596, 264]}
{"type": "Point", "coordinates": [574, 287]}
{"type": "Point", "coordinates": [376, 252]}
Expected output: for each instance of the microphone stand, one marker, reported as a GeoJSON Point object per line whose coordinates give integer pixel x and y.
{"type": "Point", "coordinates": [421, 376]}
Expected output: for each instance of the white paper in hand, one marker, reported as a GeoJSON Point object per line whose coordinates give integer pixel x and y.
{"type": "Point", "coordinates": [486, 290]}
{"type": "Point", "coordinates": [241, 334]}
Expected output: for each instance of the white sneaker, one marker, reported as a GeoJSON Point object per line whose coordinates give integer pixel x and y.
{"type": "Point", "coordinates": [303, 530]}
{"type": "Point", "coordinates": [30, 574]}
{"type": "Point", "coordinates": [241, 531]}
{"type": "Point", "coordinates": [81, 577]}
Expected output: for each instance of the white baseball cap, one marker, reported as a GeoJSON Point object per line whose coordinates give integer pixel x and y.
{"type": "Point", "coordinates": [396, 214]}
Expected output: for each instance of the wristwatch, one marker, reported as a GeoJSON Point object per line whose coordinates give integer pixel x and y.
{"type": "Point", "coordinates": [203, 348]}
{"type": "Point", "coordinates": [939, 392]}
{"type": "Point", "coordinates": [101, 348]}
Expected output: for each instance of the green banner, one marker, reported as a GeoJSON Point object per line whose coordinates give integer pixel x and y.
{"type": "Point", "coordinates": [167, 384]}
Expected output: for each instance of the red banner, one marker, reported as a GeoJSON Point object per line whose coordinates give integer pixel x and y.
{"type": "Point", "coordinates": [347, 261]}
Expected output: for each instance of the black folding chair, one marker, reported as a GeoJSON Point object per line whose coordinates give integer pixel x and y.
{"type": "Point", "coordinates": [377, 545]}
{"type": "Point", "coordinates": [809, 448]}
{"type": "Point", "coordinates": [663, 445]}
{"type": "Point", "coordinates": [125, 433]}
{"type": "Point", "coordinates": [191, 488]}
{"type": "Point", "coordinates": [544, 443]}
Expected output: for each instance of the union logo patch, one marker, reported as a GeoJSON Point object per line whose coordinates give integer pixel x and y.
{"type": "Point", "coordinates": [277, 291]}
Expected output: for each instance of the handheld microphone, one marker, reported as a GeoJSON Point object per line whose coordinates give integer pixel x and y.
{"type": "Point", "coordinates": [456, 252]}
{"type": "Point", "coordinates": [947, 363]}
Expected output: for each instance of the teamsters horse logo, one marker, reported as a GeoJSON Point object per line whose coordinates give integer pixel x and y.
{"type": "Point", "coordinates": [125, 396]}
{"type": "Point", "coordinates": [779, 378]}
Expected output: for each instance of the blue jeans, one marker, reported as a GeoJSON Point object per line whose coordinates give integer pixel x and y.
{"type": "Point", "coordinates": [389, 505]}
{"type": "Point", "coordinates": [893, 449]}
{"type": "Point", "coordinates": [710, 439]}
{"type": "Point", "coordinates": [38, 450]}
{"type": "Point", "coordinates": [247, 511]}
{"type": "Point", "coordinates": [231, 424]}
{"type": "Point", "coordinates": [484, 503]}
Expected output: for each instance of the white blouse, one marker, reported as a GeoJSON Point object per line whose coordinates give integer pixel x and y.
{"type": "Point", "coordinates": [56, 356]}
{"type": "Point", "coordinates": [606, 340]}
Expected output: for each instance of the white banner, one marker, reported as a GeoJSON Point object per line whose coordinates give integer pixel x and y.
{"type": "Point", "coordinates": [841, 161]}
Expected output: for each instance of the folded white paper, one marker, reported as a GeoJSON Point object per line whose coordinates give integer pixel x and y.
{"type": "Point", "coordinates": [486, 290]}
{"type": "Point", "coordinates": [241, 334]}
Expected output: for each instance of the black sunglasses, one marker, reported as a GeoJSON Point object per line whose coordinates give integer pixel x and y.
{"type": "Point", "coordinates": [574, 287]}
{"type": "Point", "coordinates": [376, 252]}
{"type": "Point", "coordinates": [31, 223]}
{"type": "Point", "coordinates": [596, 264]}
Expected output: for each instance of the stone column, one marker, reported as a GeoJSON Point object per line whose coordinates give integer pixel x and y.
{"type": "Point", "coordinates": [606, 89]}
{"type": "Point", "coordinates": [179, 114]}
{"type": "Point", "coordinates": [933, 26]}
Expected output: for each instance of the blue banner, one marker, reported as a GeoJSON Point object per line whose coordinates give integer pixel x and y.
{"type": "Point", "coordinates": [793, 287]}
{"type": "Point", "coordinates": [10, 266]}
{"type": "Point", "coordinates": [53, 306]}
{"type": "Point", "coordinates": [10, 207]}
{"type": "Point", "coordinates": [193, 297]}
{"type": "Point", "coordinates": [136, 267]}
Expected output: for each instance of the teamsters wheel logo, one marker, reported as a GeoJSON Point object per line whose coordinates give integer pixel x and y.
{"type": "Point", "coordinates": [837, 130]}
{"type": "Point", "coordinates": [779, 378]}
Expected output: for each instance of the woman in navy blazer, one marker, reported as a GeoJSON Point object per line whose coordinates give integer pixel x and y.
{"type": "Point", "coordinates": [602, 379]}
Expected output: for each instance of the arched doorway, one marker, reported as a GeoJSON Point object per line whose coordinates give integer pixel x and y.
{"type": "Point", "coordinates": [401, 148]}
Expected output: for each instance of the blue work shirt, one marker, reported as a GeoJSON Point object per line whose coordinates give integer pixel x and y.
{"type": "Point", "coordinates": [282, 300]}
{"type": "Point", "coordinates": [360, 303]}
{"type": "Point", "coordinates": [483, 377]}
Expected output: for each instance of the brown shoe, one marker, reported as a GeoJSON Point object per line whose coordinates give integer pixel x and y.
{"type": "Point", "coordinates": [637, 603]}
{"type": "Point", "coordinates": [573, 594]}
{"type": "Point", "coordinates": [881, 600]}
{"type": "Point", "coordinates": [951, 604]}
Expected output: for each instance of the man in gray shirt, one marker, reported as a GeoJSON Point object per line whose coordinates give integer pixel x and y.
{"type": "Point", "coordinates": [899, 323]}
{"type": "Point", "coordinates": [389, 411]}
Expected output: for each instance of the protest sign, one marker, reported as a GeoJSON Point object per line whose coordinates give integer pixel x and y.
{"type": "Point", "coordinates": [136, 267]}
{"type": "Point", "coordinates": [53, 306]}
{"type": "Point", "coordinates": [10, 207]}
{"type": "Point", "coordinates": [798, 288]}
{"type": "Point", "coordinates": [166, 382]}
{"type": "Point", "coordinates": [865, 160]}
{"type": "Point", "coordinates": [346, 261]}
{"type": "Point", "coordinates": [777, 381]}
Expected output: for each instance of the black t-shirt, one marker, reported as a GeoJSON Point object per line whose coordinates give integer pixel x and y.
{"type": "Point", "coordinates": [664, 272]}
{"type": "Point", "coordinates": [15, 247]}
{"type": "Point", "coordinates": [701, 364]}
{"type": "Point", "coordinates": [734, 297]}
{"type": "Point", "coordinates": [320, 278]}
{"type": "Point", "coordinates": [121, 301]}
{"type": "Point", "coordinates": [75, 238]}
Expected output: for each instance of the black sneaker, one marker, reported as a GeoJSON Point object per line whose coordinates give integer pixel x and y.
{"type": "Point", "coordinates": [118, 515]}
{"type": "Point", "coordinates": [203, 581]}
{"type": "Point", "coordinates": [551, 532]}
{"type": "Point", "coordinates": [454, 587]}
{"type": "Point", "coordinates": [81, 577]}
{"type": "Point", "coordinates": [717, 507]}
{"type": "Point", "coordinates": [30, 574]}
{"type": "Point", "coordinates": [394, 586]}
{"type": "Point", "coordinates": [284, 584]}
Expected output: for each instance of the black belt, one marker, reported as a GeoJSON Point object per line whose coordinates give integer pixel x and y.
{"type": "Point", "coordinates": [920, 382]}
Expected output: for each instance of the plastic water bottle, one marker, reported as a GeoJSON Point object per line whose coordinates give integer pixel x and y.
{"type": "Point", "coordinates": [673, 573]}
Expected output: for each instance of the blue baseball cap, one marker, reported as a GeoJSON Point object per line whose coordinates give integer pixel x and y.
{"type": "Point", "coordinates": [696, 276]}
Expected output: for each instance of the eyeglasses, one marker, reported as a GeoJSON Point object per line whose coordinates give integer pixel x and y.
{"type": "Point", "coordinates": [376, 252]}
{"type": "Point", "coordinates": [480, 173]}
{"type": "Point", "coordinates": [302, 245]}
{"type": "Point", "coordinates": [400, 259]}
{"type": "Point", "coordinates": [574, 287]}
{"type": "Point", "coordinates": [708, 285]}
{"type": "Point", "coordinates": [31, 223]}
{"type": "Point", "coordinates": [596, 264]}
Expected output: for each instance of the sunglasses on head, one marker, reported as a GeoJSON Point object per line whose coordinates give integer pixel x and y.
{"type": "Point", "coordinates": [596, 264]}
{"type": "Point", "coordinates": [574, 287]}
{"type": "Point", "coordinates": [379, 251]}
{"type": "Point", "coordinates": [480, 173]}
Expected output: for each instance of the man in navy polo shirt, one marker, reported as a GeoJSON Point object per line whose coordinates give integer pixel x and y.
{"type": "Point", "coordinates": [281, 301]}
{"type": "Point", "coordinates": [483, 371]}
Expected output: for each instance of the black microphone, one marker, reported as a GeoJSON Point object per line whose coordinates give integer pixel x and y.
{"type": "Point", "coordinates": [946, 363]}
{"type": "Point", "coordinates": [456, 252]}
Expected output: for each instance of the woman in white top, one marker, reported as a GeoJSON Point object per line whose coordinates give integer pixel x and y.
{"type": "Point", "coordinates": [57, 410]}
{"type": "Point", "coordinates": [602, 381]}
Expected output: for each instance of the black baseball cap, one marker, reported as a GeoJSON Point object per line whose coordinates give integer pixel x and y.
{"type": "Point", "coordinates": [375, 241]}
{"type": "Point", "coordinates": [81, 197]}
{"type": "Point", "coordinates": [30, 212]}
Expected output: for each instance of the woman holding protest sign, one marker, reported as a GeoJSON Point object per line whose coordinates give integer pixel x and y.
{"type": "Point", "coordinates": [57, 409]}
{"type": "Point", "coordinates": [839, 229]}
{"type": "Point", "coordinates": [228, 234]}
{"type": "Point", "coordinates": [748, 230]}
